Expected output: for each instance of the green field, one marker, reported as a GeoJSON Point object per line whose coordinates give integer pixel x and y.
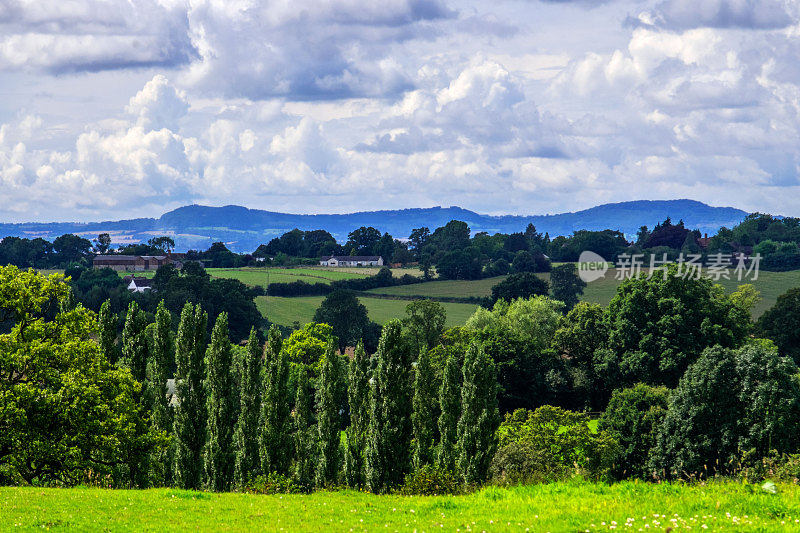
{"type": "Point", "coordinates": [558, 507]}
{"type": "Point", "coordinates": [445, 289]}
{"type": "Point", "coordinates": [264, 276]}
{"type": "Point", "coordinates": [286, 311]}
{"type": "Point", "coordinates": [769, 284]}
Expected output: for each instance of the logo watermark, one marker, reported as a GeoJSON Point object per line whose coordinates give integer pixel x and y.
{"type": "Point", "coordinates": [592, 266]}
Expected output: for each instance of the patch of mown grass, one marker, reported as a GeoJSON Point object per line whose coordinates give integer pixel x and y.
{"type": "Point", "coordinates": [264, 276]}
{"type": "Point", "coordinates": [569, 506]}
{"type": "Point", "coordinates": [286, 311]}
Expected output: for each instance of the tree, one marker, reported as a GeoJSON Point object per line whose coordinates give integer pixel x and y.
{"type": "Point", "coordinates": [346, 315]}
{"type": "Point", "coordinates": [218, 456]}
{"type": "Point", "coordinates": [781, 324]}
{"type": "Point", "coordinates": [102, 243]}
{"type": "Point", "coordinates": [581, 338]}
{"type": "Point", "coordinates": [389, 433]}
{"type": "Point", "coordinates": [633, 417]}
{"type": "Point", "coordinates": [358, 401]}
{"type": "Point", "coordinates": [134, 342]}
{"type": "Point", "coordinates": [304, 441]}
{"type": "Point", "coordinates": [107, 322]}
{"type": "Point", "coordinates": [449, 413]}
{"type": "Point", "coordinates": [518, 338]}
{"type": "Point", "coordinates": [566, 285]}
{"type": "Point", "coordinates": [71, 249]}
{"type": "Point", "coordinates": [162, 244]}
{"type": "Point", "coordinates": [519, 285]}
{"type": "Point", "coordinates": [158, 366]}
{"type": "Point", "coordinates": [275, 442]}
{"type": "Point", "coordinates": [424, 411]}
{"type": "Point", "coordinates": [190, 410]}
{"type": "Point", "coordinates": [363, 241]}
{"type": "Point", "coordinates": [660, 325]}
{"type": "Point", "coordinates": [328, 418]}
{"type": "Point", "coordinates": [247, 463]}
{"type": "Point", "coordinates": [65, 411]}
{"type": "Point", "coordinates": [425, 322]}
{"type": "Point", "coordinates": [479, 420]}
{"type": "Point", "coordinates": [729, 402]}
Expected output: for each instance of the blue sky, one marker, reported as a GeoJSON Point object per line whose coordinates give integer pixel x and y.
{"type": "Point", "coordinates": [113, 109]}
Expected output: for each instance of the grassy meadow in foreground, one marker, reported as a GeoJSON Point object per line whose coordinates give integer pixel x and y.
{"type": "Point", "coordinates": [627, 506]}
{"type": "Point", "coordinates": [286, 311]}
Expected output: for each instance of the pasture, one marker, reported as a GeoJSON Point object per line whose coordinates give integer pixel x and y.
{"type": "Point", "coordinates": [286, 311]}
{"type": "Point", "coordinates": [557, 507]}
{"type": "Point", "coordinates": [769, 284]}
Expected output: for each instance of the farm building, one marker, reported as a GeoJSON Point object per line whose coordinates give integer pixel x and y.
{"type": "Point", "coordinates": [351, 260]}
{"type": "Point", "coordinates": [138, 284]}
{"type": "Point", "coordinates": [131, 263]}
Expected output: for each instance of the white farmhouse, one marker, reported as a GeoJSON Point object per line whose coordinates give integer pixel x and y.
{"type": "Point", "coordinates": [351, 260]}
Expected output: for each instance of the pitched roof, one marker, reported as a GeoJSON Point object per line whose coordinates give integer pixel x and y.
{"type": "Point", "coordinates": [351, 257]}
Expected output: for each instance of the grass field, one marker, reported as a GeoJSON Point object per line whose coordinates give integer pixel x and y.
{"type": "Point", "coordinates": [286, 311]}
{"type": "Point", "coordinates": [263, 276]}
{"type": "Point", "coordinates": [444, 289]}
{"type": "Point", "coordinates": [558, 507]}
{"type": "Point", "coordinates": [769, 284]}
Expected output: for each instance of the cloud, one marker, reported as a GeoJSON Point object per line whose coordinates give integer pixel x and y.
{"type": "Point", "coordinates": [158, 105]}
{"type": "Point", "coordinates": [59, 37]}
{"type": "Point", "coordinates": [305, 49]}
{"type": "Point", "coordinates": [748, 14]}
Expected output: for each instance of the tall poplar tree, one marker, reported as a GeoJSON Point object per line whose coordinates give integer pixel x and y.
{"type": "Point", "coordinates": [134, 342]}
{"type": "Point", "coordinates": [275, 443]}
{"type": "Point", "coordinates": [328, 417]}
{"type": "Point", "coordinates": [389, 435]}
{"type": "Point", "coordinates": [248, 464]}
{"type": "Point", "coordinates": [190, 411]}
{"type": "Point", "coordinates": [449, 413]}
{"type": "Point", "coordinates": [358, 400]}
{"type": "Point", "coordinates": [477, 427]}
{"type": "Point", "coordinates": [424, 415]}
{"type": "Point", "coordinates": [304, 434]}
{"type": "Point", "coordinates": [107, 321]}
{"type": "Point", "coordinates": [218, 456]}
{"type": "Point", "coordinates": [158, 365]}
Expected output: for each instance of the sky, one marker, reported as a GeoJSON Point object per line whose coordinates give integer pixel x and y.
{"type": "Point", "coordinates": [118, 109]}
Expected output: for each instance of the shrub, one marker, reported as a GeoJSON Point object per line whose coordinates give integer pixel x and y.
{"type": "Point", "coordinates": [275, 483]}
{"type": "Point", "coordinates": [632, 417]}
{"type": "Point", "coordinates": [431, 481]}
{"type": "Point", "coordinates": [551, 444]}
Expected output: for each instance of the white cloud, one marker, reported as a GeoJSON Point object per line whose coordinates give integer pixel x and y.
{"type": "Point", "coordinates": [58, 37]}
{"type": "Point", "coordinates": [158, 105]}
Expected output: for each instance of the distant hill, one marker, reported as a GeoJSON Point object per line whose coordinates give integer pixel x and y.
{"type": "Point", "coordinates": [197, 226]}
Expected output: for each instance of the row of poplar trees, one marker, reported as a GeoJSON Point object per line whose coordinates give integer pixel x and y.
{"type": "Point", "coordinates": [233, 419]}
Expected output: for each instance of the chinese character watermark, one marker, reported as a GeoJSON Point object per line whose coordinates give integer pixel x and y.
{"type": "Point", "coordinates": [718, 266]}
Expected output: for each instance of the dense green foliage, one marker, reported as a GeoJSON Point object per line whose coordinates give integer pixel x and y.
{"type": "Point", "coordinates": [388, 453]}
{"type": "Point", "coordinates": [551, 444]}
{"type": "Point", "coordinates": [247, 463]}
{"type": "Point", "coordinates": [218, 454]}
{"type": "Point", "coordinates": [633, 417]}
{"type": "Point", "coordinates": [782, 324]}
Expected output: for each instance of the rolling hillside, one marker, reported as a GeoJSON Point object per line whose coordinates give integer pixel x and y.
{"type": "Point", "coordinates": [244, 229]}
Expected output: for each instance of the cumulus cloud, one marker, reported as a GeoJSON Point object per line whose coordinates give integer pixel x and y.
{"type": "Point", "coordinates": [158, 105]}
{"type": "Point", "coordinates": [309, 106]}
{"type": "Point", "coordinates": [305, 49]}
